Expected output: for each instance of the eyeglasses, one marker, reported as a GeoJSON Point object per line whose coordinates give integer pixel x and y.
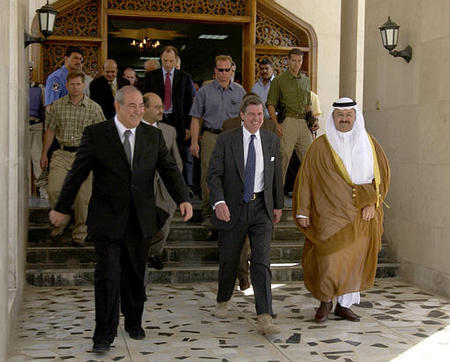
{"type": "Point", "coordinates": [221, 70]}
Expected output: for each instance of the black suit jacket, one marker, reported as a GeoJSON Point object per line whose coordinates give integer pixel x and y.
{"type": "Point", "coordinates": [226, 174]}
{"type": "Point", "coordinates": [101, 93]}
{"type": "Point", "coordinates": [182, 96]}
{"type": "Point", "coordinates": [115, 186]}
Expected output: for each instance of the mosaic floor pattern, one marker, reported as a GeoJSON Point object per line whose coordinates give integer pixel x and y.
{"type": "Point", "coordinates": [398, 322]}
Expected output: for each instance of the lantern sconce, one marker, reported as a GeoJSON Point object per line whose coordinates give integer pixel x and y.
{"type": "Point", "coordinates": [389, 36]}
{"type": "Point", "coordinates": [47, 16]}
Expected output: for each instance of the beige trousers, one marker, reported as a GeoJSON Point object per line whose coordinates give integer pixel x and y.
{"type": "Point", "coordinates": [60, 165]}
{"type": "Point", "coordinates": [296, 135]}
{"type": "Point", "coordinates": [36, 133]}
{"type": "Point", "coordinates": [208, 143]}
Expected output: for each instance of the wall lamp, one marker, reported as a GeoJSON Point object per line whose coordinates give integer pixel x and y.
{"type": "Point", "coordinates": [47, 16]}
{"type": "Point", "coordinates": [389, 36]}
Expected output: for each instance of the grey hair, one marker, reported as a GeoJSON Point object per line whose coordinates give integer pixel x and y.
{"type": "Point", "coordinates": [120, 94]}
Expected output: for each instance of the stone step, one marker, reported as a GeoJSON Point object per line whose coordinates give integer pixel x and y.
{"type": "Point", "coordinates": [200, 251]}
{"type": "Point", "coordinates": [286, 230]}
{"type": "Point", "coordinates": [38, 214]}
{"type": "Point", "coordinates": [176, 273]}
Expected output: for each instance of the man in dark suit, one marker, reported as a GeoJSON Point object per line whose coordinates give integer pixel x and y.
{"type": "Point", "coordinates": [104, 88]}
{"type": "Point", "coordinates": [243, 268]}
{"type": "Point", "coordinates": [123, 155]}
{"type": "Point", "coordinates": [175, 88]}
{"type": "Point", "coordinates": [246, 192]}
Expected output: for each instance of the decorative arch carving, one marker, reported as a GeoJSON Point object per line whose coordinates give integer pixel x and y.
{"type": "Point", "coordinates": [270, 33]}
{"type": "Point", "coordinates": [82, 20]}
{"type": "Point", "coordinates": [274, 30]}
{"type": "Point", "coordinates": [211, 7]}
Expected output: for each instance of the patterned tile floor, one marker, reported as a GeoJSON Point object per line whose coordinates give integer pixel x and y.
{"type": "Point", "coordinates": [398, 322]}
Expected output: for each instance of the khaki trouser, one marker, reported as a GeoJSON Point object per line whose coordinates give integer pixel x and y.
{"type": "Point", "coordinates": [159, 238]}
{"type": "Point", "coordinates": [59, 167]}
{"type": "Point", "coordinates": [243, 271]}
{"type": "Point", "coordinates": [296, 135]}
{"type": "Point", "coordinates": [36, 133]}
{"type": "Point", "coordinates": [208, 143]}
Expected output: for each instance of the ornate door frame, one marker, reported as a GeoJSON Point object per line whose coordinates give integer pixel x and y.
{"type": "Point", "coordinates": [268, 31]}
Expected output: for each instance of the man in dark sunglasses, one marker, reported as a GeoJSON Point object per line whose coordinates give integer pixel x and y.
{"type": "Point", "coordinates": [214, 102]}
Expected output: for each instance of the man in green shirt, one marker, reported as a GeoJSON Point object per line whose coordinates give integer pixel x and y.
{"type": "Point", "coordinates": [292, 90]}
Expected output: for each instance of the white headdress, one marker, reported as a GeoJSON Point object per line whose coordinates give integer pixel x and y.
{"type": "Point", "coordinates": [353, 147]}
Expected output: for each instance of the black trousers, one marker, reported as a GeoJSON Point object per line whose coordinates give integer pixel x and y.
{"type": "Point", "coordinates": [119, 280]}
{"type": "Point", "coordinates": [255, 223]}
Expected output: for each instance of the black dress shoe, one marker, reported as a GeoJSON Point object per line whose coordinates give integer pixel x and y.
{"type": "Point", "coordinates": [323, 311]}
{"type": "Point", "coordinates": [101, 347]}
{"type": "Point", "coordinates": [136, 333]}
{"type": "Point", "coordinates": [155, 262]}
{"type": "Point", "coordinates": [346, 313]}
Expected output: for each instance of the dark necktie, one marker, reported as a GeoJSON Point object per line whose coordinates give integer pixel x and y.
{"type": "Point", "coordinates": [127, 145]}
{"type": "Point", "coordinates": [167, 93]}
{"type": "Point", "coordinates": [249, 174]}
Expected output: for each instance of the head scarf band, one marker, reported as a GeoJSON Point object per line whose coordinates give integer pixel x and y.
{"type": "Point", "coordinates": [353, 147]}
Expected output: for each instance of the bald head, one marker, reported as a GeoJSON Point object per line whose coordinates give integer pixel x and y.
{"type": "Point", "coordinates": [110, 69]}
{"type": "Point", "coordinates": [151, 64]}
{"type": "Point", "coordinates": [153, 108]}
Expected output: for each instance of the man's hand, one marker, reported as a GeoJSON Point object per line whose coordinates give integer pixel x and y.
{"type": "Point", "coordinates": [186, 210]}
{"type": "Point", "coordinates": [279, 129]}
{"type": "Point", "coordinates": [187, 135]}
{"type": "Point", "coordinates": [58, 218]}
{"type": "Point", "coordinates": [195, 150]}
{"type": "Point", "coordinates": [222, 212]}
{"type": "Point", "coordinates": [277, 215]}
{"type": "Point", "coordinates": [44, 162]}
{"type": "Point", "coordinates": [304, 222]}
{"type": "Point", "coordinates": [315, 126]}
{"type": "Point", "coordinates": [368, 212]}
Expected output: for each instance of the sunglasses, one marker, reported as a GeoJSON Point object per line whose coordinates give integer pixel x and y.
{"type": "Point", "coordinates": [223, 69]}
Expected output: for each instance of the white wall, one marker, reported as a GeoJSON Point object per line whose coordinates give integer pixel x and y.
{"type": "Point", "coordinates": [352, 50]}
{"type": "Point", "coordinates": [413, 125]}
{"type": "Point", "coordinates": [325, 17]}
{"type": "Point", "coordinates": [13, 161]}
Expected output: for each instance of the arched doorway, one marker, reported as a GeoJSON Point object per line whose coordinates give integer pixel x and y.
{"type": "Point", "coordinates": [268, 30]}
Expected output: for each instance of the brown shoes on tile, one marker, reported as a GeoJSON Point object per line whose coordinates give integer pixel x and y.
{"type": "Point", "coordinates": [346, 313]}
{"type": "Point", "coordinates": [265, 325]}
{"type": "Point", "coordinates": [323, 311]}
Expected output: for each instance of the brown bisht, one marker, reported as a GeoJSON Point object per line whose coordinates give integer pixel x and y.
{"type": "Point", "coordinates": [341, 249]}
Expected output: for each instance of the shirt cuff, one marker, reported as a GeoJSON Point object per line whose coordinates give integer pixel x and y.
{"type": "Point", "coordinates": [217, 203]}
{"type": "Point", "coordinates": [301, 216]}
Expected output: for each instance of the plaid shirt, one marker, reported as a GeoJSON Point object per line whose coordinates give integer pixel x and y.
{"type": "Point", "coordinates": [68, 120]}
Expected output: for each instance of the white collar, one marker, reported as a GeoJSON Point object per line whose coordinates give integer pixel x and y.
{"type": "Point", "coordinates": [121, 128]}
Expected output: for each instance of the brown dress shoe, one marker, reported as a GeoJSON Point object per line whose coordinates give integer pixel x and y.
{"type": "Point", "coordinates": [244, 283]}
{"type": "Point", "coordinates": [346, 313]}
{"type": "Point", "coordinates": [323, 311]}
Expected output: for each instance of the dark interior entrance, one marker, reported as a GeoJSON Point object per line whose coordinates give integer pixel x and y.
{"type": "Point", "coordinates": [197, 43]}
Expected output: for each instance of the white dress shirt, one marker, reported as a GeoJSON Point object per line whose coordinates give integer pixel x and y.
{"type": "Point", "coordinates": [121, 130]}
{"type": "Point", "coordinates": [259, 164]}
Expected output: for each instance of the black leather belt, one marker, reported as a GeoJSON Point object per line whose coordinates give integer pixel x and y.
{"type": "Point", "coordinates": [257, 195]}
{"type": "Point", "coordinates": [69, 149]}
{"type": "Point", "coordinates": [212, 130]}
{"type": "Point", "coordinates": [35, 121]}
